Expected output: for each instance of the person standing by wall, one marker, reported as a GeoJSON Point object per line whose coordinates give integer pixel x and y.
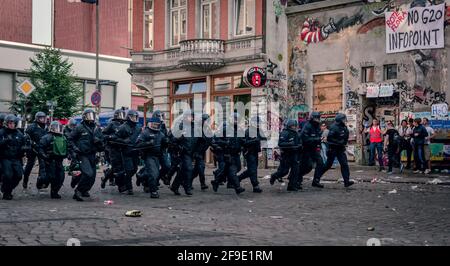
{"type": "Point", "coordinates": [405, 133]}
{"type": "Point", "coordinates": [426, 147]}
{"type": "Point", "coordinates": [419, 136]}
{"type": "Point", "coordinates": [376, 143]}
{"type": "Point", "coordinates": [324, 150]}
{"type": "Point", "coordinates": [392, 141]}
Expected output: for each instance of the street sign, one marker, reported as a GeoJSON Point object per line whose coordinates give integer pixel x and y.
{"type": "Point", "coordinates": [96, 98]}
{"type": "Point", "coordinates": [26, 87]}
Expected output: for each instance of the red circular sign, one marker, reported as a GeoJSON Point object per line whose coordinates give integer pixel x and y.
{"type": "Point", "coordinates": [255, 77]}
{"type": "Point", "coordinates": [96, 98]}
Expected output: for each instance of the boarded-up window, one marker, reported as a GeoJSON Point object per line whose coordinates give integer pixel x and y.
{"type": "Point", "coordinates": [328, 93]}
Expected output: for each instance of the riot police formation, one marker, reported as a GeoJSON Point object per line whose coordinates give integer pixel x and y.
{"type": "Point", "coordinates": [35, 132]}
{"type": "Point", "coordinates": [86, 140]}
{"type": "Point", "coordinates": [162, 153]}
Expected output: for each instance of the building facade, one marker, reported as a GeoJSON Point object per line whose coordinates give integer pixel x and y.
{"type": "Point", "coordinates": [28, 26]}
{"type": "Point", "coordinates": [338, 59]}
{"type": "Point", "coordinates": [201, 48]}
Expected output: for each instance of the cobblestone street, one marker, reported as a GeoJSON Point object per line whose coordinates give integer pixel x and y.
{"type": "Point", "coordinates": [397, 210]}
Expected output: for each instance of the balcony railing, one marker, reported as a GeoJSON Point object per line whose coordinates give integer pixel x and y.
{"type": "Point", "coordinates": [202, 54]}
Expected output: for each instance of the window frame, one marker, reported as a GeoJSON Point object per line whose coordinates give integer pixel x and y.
{"type": "Point", "coordinates": [364, 76]}
{"type": "Point", "coordinates": [235, 22]}
{"type": "Point", "coordinates": [385, 72]}
{"type": "Point", "coordinates": [152, 14]}
{"type": "Point", "coordinates": [178, 10]}
{"type": "Point", "coordinates": [210, 4]}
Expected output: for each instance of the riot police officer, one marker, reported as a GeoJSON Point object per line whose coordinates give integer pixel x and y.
{"type": "Point", "coordinates": [289, 144]}
{"type": "Point", "coordinates": [86, 140]}
{"type": "Point", "coordinates": [230, 143]}
{"type": "Point", "coordinates": [53, 149]}
{"type": "Point", "coordinates": [311, 138]}
{"type": "Point", "coordinates": [111, 151]}
{"type": "Point", "coordinates": [35, 132]}
{"type": "Point", "coordinates": [183, 137]}
{"type": "Point", "coordinates": [165, 157]}
{"type": "Point", "coordinates": [252, 147]}
{"type": "Point", "coordinates": [202, 146]}
{"type": "Point", "coordinates": [2, 120]}
{"type": "Point", "coordinates": [337, 143]}
{"type": "Point", "coordinates": [152, 142]}
{"type": "Point", "coordinates": [12, 143]}
{"type": "Point", "coordinates": [127, 135]}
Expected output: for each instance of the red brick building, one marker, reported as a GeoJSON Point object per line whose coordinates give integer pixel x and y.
{"type": "Point", "coordinates": [26, 26]}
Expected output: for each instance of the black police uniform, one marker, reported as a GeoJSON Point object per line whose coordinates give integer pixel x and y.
{"type": "Point", "coordinates": [127, 134]}
{"type": "Point", "coordinates": [86, 140]}
{"type": "Point", "coordinates": [337, 141]}
{"type": "Point", "coordinates": [186, 144]}
{"type": "Point", "coordinates": [11, 152]}
{"type": "Point", "coordinates": [289, 144]}
{"type": "Point", "coordinates": [114, 155]}
{"type": "Point", "coordinates": [54, 168]}
{"type": "Point", "coordinates": [35, 132]}
{"type": "Point", "coordinates": [203, 143]}
{"type": "Point", "coordinates": [231, 146]}
{"type": "Point", "coordinates": [311, 138]}
{"type": "Point", "coordinates": [252, 148]}
{"type": "Point", "coordinates": [152, 143]}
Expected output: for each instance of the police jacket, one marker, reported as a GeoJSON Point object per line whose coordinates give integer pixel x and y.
{"type": "Point", "coordinates": [230, 142]}
{"type": "Point", "coordinates": [338, 135]}
{"type": "Point", "coordinates": [36, 132]}
{"type": "Point", "coordinates": [311, 135]}
{"type": "Point", "coordinates": [11, 144]}
{"type": "Point", "coordinates": [419, 135]}
{"type": "Point", "coordinates": [111, 128]}
{"type": "Point", "coordinates": [203, 143]}
{"type": "Point", "coordinates": [46, 147]}
{"type": "Point", "coordinates": [67, 131]}
{"type": "Point", "coordinates": [151, 142]}
{"type": "Point", "coordinates": [252, 143]}
{"type": "Point", "coordinates": [289, 140]}
{"type": "Point", "coordinates": [86, 139]}
{"type": "Point", "coordinates": [126, 135]}
{"type": "Point", "coordinates": [186, 143]}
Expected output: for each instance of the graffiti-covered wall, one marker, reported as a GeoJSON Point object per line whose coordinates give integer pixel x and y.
{"type": "Point", "coordinates": [352, 38]}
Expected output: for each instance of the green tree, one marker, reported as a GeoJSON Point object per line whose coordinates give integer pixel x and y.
{"type": "Point", "coordinates": [53, 77]}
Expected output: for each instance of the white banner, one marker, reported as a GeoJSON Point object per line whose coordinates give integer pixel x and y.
{"type": "Point", "coordinates": [416, 28]}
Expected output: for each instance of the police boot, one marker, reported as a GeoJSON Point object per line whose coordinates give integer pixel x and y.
{"type": "Point", "coordinates": [75, 179]}
{"type": "Point", "coordinates": [316, 183]}
{"type": "Point", "coordinates": [130, 192]}
{"type": "Point", "coordinates": [39, 183]}
{"type": "Point", "coordinates": [239, 190]}
{"type": "Point", "coordinates": [175, 191]}
{"type": "Point", "coordinates": [204, 186]}
{"type": "Point", "coordinates": [215, 185]}
{"type": "Point", "coordinates": [77, 196]}
{"type": "Point", "coordinates": [146, 189]}
{"type": "Point", "coordinates": [257, 189]}
{"type": "Point", "coordinates": [292, 189]}
{"type": "Point", "coordinates": [7, 196]}
{"type": "Point", "coordinates": [188, 192]}
{"type": "Point", "coordinates": [55, 195]}
{"type": "Point", "coordinates": [103, 183]}
{"type": "Point", "coordinates": [85, 194]}
{"type": "Point", "coordinates": [349, 184]}
{"type": "Point", "coordinates": [122, 189]}
{"type": "Point", "coordinates": [154, 195]}
{"type": "Point", "coordinates": [112, 182]}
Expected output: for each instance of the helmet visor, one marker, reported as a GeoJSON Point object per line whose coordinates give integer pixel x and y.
{"type": "Point", "coordinates": [121, 116]}
{"type": "Point", "coordinates": [89, 116]}
{"type": "Point", "coordinates": [56, 128]}
{"type": "Point", "coordinates": [154, 125]}
{"type": "Point", "coordinates": [133, 118]}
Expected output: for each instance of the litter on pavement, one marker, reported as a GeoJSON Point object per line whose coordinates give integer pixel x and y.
{"type": "Point", "coordinates": [133, 213]}
{"type": "Point", "coordinates": [393, 191]}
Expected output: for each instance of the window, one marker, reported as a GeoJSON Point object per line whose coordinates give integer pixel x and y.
{"type": "Point", "coordinates": [6, 90]}
{"type": "Point", "coordinates": [178, 20]}
{"type": "Point", "coordinates": [390, 72]}
{"type": "Point", "coordinates": [228, 82]}
{"type": "Point", "coordinates": [368, 74]}
{"type": "Point", "coordinates": [244, 17]}
{"type": "Point", "coordinates": [148, 24]}
{"type": "Point", "coordinates": [209, 18]}
{"type": "Point", "coordinates": [108, 92]}
{"type": "Point", "coordinates": [42, 20]}
{"type": "Point", "coordinates": [190, 87]}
